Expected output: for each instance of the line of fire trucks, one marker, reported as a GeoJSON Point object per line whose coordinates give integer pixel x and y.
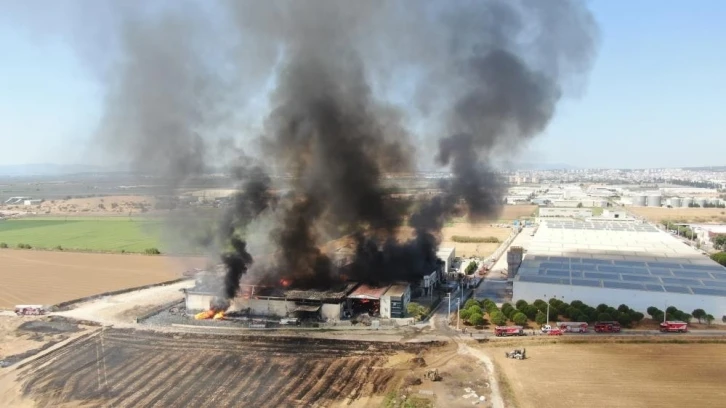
{"type": "Point", "coordinates": [582, 327]}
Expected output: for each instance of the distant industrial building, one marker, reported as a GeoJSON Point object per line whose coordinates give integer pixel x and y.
{"type": "Point", "coordinates": [618, 262]}
{"type": "Point", "coordinates": [565, 212]}
{"type": "Point", "coordinates": [16, 200]}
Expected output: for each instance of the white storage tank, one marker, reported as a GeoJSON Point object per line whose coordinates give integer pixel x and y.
{"type": "Point", "coordinates": [686, 202]}
{"type": "Point", "coordinates": [655, 201]}
{"type": "Point", "coordinates": [675, 202]}
{"type": "Point", "coordinates": [639, 201]}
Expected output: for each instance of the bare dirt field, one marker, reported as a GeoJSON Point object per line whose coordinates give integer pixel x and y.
{"type": "Point", "coordinates": [615, 375]}
{"type": "Point", "coordinates": [515, 212]}
{"type": "Point", "coordinates": [126, 368]}
{"type": "Point", "coordinates": [44, 277]}
{"type": "Point", "coordinates": [695, 215]}
{"type": "Point", "coordinates": [466, 249]}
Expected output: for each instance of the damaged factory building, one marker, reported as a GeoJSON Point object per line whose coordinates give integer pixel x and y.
{"type": "Point", "coordinates": [344, 301]}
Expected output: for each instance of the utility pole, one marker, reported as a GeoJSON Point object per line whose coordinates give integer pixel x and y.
{"type": "Point", "coordinates": [458, 313]}
{"type": "Point", "coordinates": [448, 316]}
{"type": "Point", "coordinates": [548, 313]}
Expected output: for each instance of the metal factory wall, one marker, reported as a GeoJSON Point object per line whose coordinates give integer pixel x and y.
{"type": "Point", "coordinates": [264, 307]}
{"type": "Point", "coordinates": [332, 311]}
{"type": "Point", "coordinates": [198, 301]}
{"type": "Point", "coordinates": [636, 299]}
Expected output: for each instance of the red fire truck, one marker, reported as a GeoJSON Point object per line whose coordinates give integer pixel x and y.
{"type": "Point", "coordinates": [500, 331]}
{"type": "Point", "coordinates": [674, 327]}
{"type": "Point", "coordinates": [607, 327]}
{"type": "Point", "coordinates": [32, 310]}
{"type": "Point", "coordinates": [573, 327]}
{"type": "Point", "coordinates": [552, 330]}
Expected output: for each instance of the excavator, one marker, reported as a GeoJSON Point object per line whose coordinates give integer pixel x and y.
{"type": "Point", "coordinates": [516, 354]}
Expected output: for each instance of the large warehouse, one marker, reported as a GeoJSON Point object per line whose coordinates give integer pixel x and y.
{"type": "Point", "coordinates": [388, 301]}
{"type": "Point", "coordinates": [619, 262]}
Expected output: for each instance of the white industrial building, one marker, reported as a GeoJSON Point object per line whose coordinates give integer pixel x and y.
{"type": "Point", "coordinates": [619, 262]}
{"type": "Point", "coordinates": [446, 255]}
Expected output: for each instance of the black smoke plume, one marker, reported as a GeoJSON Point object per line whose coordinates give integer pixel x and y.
{"type": "Point", "coordinates": [352, 91]}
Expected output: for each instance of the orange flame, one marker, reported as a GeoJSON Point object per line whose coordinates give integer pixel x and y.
{"type": "Point", "coordinates": [207, 314]}
{"type": "Point", "coordinates": [284, 282]}
{"type": "Point", "coordinates": [218, 316]}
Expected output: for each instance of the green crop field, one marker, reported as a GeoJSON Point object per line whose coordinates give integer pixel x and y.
{"type": "Point", "coordinates": [87, 234]}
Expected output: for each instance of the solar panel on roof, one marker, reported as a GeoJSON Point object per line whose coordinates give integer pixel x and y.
{"type": "Point", "coordinates": [677, 289]}
{"type": "Point", "coordinates": [623, 285]}
{"type": "Point", "coordinates": [715, 268]}
{"type": "Point", "coordinates": [716, 284]}
{"type": "Point", "coordinates": [719, 276]}
{"type": "Point", "coordinates": [602, 275]}
{"type": "Point", "coordinates": [586, 282]}
{"type": "Point", "coordinates": [528, 271]}
{"type": "Point", "coordinates": [553, 265]}
{"type": "Point", "coordinates": [692, 274]}
{"type": "Point", "coordinates": [630, 263]}
{"type": "Point", "coordinates": [670, 265]}
{"type": "Point", "coordinates": [608, 268]}
{"type": "Point", "coordinates": [558, 272]}
{"type": "Point", "coordinates": [654, 288]}
{"type": "Point", "coordinates": [576, 274]}
{"type": "Point", "coordinates": [709, 291]}
{"type": "Point", "coordinates": [544, 279]}
{"type": "Point", "coordinates": [636, 271]}
{"type": "Point", "coordinates": [660, 272]}
{"type": "Point", "coordinates": [679, 281]}
{"type": "Point", "coordinates": [640, 278]}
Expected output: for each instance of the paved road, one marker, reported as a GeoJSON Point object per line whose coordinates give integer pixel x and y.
{"type": "Point", "coordinates": [494, 286]}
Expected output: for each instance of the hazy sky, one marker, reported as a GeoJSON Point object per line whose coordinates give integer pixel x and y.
{"type": "Point", "coordinates": [656, 96]}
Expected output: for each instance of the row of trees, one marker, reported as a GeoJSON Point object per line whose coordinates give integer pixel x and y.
{"type": "Point", "coordinates": [719, 241]}
{"type": "Point", "coordinates": [682, 230]}
{"type": "Point", "coordinates": [719, 257]}
{"type": "Point", "coordinates": [579, 312]}
{"type": "Point", "coordinates": [673, 313]}
{"type": "Point", "coordinates": [706, 205]}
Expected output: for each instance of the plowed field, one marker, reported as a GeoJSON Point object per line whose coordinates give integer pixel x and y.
{"type": "Point", "coordinates": [44, 277]}
{"type": "Point", "coordinates": [143, 369]}
{"type": "Point", "coordinates": [616, 375]}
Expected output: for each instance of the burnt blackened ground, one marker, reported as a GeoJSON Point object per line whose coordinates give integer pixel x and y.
{"type": "Point", "coordinates": [127, 368]}
{"type": "Point", "coordinates": [51, 325]}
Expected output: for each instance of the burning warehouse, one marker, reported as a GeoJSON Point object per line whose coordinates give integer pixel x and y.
{"type": "Point", "coordinates": [344, 300]}
{"type": "Point", "coordinates": [281, 302]}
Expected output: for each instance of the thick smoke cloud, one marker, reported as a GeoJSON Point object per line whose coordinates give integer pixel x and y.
{"type": "Point", "coordinates": [345, 84]}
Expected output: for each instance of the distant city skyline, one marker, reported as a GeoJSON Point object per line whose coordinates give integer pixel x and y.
{"type": "Point", "coordinates": [654, 98]}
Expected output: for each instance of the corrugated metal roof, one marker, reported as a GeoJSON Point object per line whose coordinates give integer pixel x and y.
{"type": "Point", "coordinates": [397, 290]}
{"type": "Point", "coordinates": [368, 292]}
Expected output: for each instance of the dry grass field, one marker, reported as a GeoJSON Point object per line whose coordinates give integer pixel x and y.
{"type": "Point", "coordinates": [134, 369]}
{"type": "Point", "coordinates": [615, 375]}
{"type": "Point", "coordinates": [45, 277]}
{"type": "Point", "coordinates": [695, 215]}
{"type": "Point", "coordinates": [474, 230]}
